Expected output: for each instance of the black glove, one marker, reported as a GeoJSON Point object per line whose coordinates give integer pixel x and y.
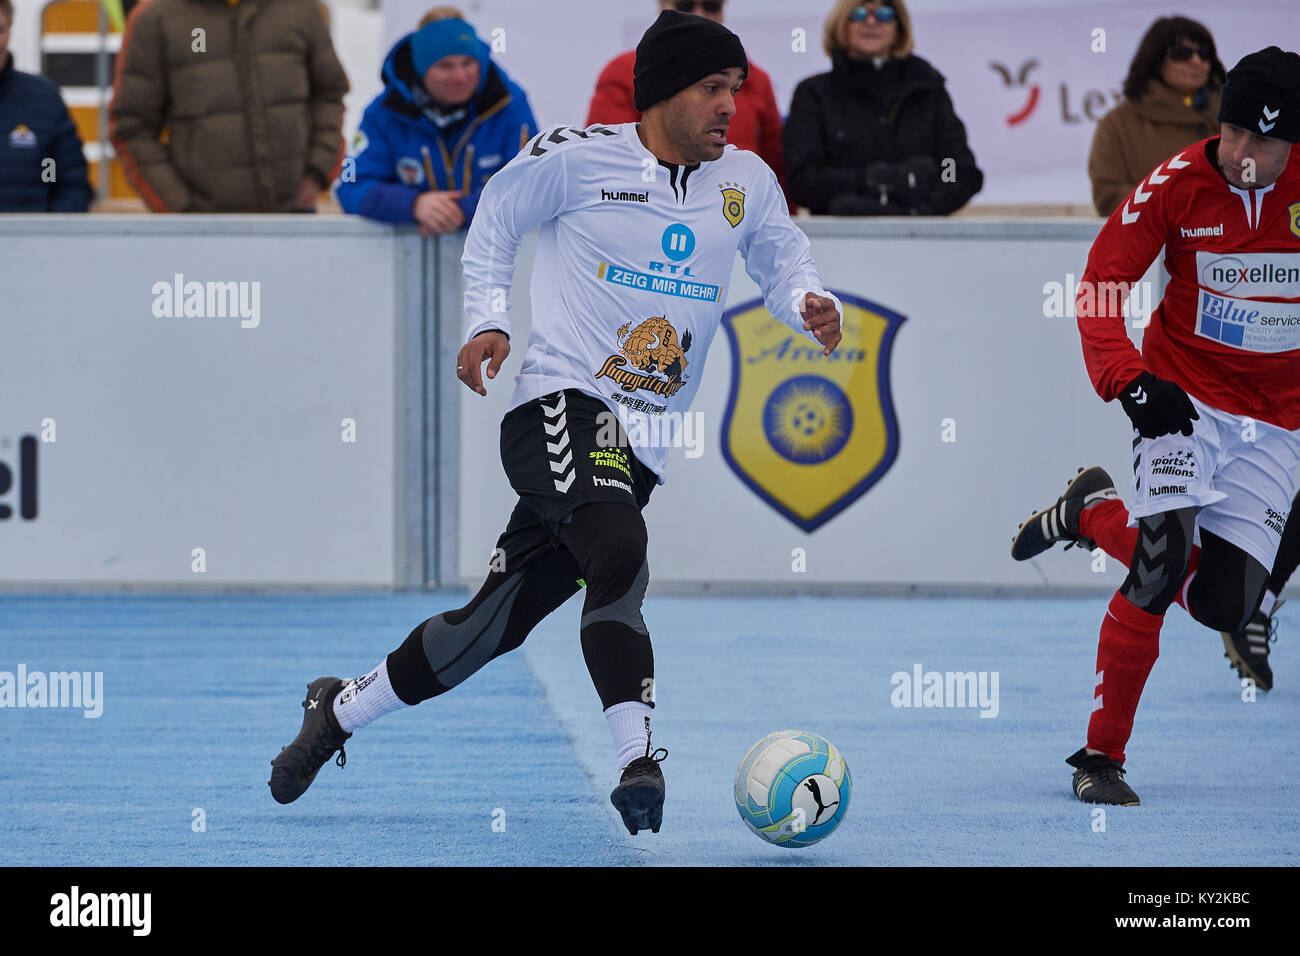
{"type": "Point", "coordinates": [851, 204]}
{"type": "Point", "coordinates": [909, 182]}
{"type": "Point", "coordinates": [1157, 407]}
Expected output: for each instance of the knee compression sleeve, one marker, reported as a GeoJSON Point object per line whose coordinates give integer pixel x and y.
{"type": "Point", "coordinates": [444, 650]}
{"type": "Point", "coordinates": [1159, 564]}
{"type": "Point", "coordinates": [608, 540]}
{"type": "Point", "coordinates": [1228, 585]}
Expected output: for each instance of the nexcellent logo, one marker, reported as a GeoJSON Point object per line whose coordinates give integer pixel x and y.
{"type": "Point", "coordinates": [26, 478]}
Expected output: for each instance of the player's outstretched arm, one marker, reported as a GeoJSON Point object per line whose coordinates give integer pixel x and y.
{"type": "Point", "coordinates": [491, 346]}
{"type": "Point", "coordinates": [778, 257]}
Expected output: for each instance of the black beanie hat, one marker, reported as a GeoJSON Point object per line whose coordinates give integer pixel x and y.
{"type": "Point", "coordinates": [677, 50]}
{"type": "Point", "coordinates": [1263, 94]}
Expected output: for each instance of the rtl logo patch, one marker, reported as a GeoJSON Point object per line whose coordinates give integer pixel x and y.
{"type": "Point", "coordinates": [26, 478]}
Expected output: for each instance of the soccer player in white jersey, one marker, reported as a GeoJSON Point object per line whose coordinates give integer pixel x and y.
{"type": "Point", "coordinates": [640, 225]}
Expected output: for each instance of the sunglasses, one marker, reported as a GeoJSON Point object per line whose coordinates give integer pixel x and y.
{"type": "Point", "coordinates": [881, 14]}
{"type": "Point", "coordinates": [1181, 54]}
{"type": "Point", "coordinates": [708, 6]}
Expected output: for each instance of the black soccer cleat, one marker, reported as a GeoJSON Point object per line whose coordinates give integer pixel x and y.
{"type": "Point", "coordinates": [639, 796]}
{"type": "Point", "coordinates": [297, 764]}
{"type": "Point", "coordinates": [1098, 779]}
{"type": "Point", "coordinates": [1247, 649]}
{"type": "Point", "coordinates": [1060, 521]}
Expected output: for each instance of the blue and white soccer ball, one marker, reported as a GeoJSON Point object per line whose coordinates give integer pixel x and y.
{"type": "Point", "coordinates": [792, 788]}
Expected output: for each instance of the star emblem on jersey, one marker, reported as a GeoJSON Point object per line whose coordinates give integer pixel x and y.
{"type": "Point", "coordinates": [1270, 115]}
{"type": "Point", "coordinates": [1128, 216]}
{"type": "Point", "coordinates": [733, 202]}
{"type": "Point", "coordinates": [554, 423]}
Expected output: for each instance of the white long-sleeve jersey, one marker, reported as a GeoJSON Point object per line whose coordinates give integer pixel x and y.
{"type": "Point", "coordinates": [632, 264]}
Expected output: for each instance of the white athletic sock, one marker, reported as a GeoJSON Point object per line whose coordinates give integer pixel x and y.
{"type": "Point", "coordinates": [1266, 605]}
{"type": "Point", "coordinates": [629, 724]}
{"type": "Point", "coordinates": [366, 699]}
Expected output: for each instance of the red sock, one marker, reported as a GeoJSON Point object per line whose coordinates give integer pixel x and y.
{"type": "Point", "coordinates": [1107, 523]}
{"type": "Point", "coordinates": [1126, 652]}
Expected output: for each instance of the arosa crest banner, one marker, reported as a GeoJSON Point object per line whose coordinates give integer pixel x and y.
{"type": "Point", "coordinates": [810, 433]}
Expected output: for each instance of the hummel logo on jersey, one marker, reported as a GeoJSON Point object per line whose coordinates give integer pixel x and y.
{"type": "Point", "coordinates": [607, 196]}
{"type": "Point", "coordinates": [554, 419]}
{"type": "Point", "coordinates": [1128, 216]}
{"type": "Point", "coordinates": [558, 137]}
{"type": "Point", "coordinates": [1201, 232]}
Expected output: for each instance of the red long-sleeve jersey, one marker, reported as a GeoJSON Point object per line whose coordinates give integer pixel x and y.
{"type": "Point", "coordinates": [1228, 328]}
{"type": "Point", "coordinates": [755, 127]}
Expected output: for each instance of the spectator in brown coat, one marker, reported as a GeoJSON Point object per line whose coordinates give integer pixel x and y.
{"type": "Point", "coordinates": [228, 105]}
{"type": "Point", "coordinates": [1171, 100]}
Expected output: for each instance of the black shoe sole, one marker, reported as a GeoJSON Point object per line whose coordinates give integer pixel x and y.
{"type": "Point", "coordinates": [1030, 540]}
{"type": "Point", "coordinates": [1242, 666]}
{"type": "Point", "coordinates": [640, 804]}
{"type": "Point", "coordinates": [286, 785]}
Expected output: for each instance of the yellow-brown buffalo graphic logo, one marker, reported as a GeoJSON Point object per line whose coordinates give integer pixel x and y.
{"type": "Point", "coordinates": [654, 348]}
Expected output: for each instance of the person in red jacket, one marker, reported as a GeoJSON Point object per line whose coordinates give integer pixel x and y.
{"type": "Point", "coordinates": [755, 127]}
{"type": "Point", "coordinates": [1214, 395]}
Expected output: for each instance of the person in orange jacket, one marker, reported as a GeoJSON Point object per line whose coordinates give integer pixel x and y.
{"type": "Point", "coordinates": [755, 127]}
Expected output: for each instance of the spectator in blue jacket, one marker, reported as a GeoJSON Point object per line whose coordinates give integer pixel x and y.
{"type": "Point", "coordinates": [447, 120]}
{"type": "Point", "coordinates": [42, 167]}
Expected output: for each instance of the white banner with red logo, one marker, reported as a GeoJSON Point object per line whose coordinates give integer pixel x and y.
{"type": "Point", "coordinates": [1029, 79]}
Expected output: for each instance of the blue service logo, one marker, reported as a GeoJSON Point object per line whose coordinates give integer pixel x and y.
{"type": "Point", "coordinates": [678, 242]}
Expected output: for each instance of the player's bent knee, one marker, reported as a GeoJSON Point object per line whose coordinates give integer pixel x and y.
{"type": "Point", "coordinates": [1211, 604]}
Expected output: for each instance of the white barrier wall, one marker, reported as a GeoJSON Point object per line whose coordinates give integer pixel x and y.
{"type": "Point", "coordinates": [268, 439]}
{"type": "Point", "coordinates": [994, 412]}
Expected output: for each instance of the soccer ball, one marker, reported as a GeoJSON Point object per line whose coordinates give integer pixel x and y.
{"type": "Point", "coordinates": [792, 788]}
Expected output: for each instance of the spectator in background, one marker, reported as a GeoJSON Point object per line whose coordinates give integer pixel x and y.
{"type": "Point", "coordinates": [756, 126]}
{"type": "Point", "coordinates": [447, 120]}
{"type": "Point", "coordinates": [35, 127]}
{"type": "Point", "coordinates": [877, 135]}
{"type": "Point", "coordinates": [228, 105]}
{"type": "Point", "coordinates": [1171, 100]}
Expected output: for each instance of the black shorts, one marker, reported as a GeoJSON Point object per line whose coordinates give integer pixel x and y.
{"type": "Point", "coordinates": [566, 449]}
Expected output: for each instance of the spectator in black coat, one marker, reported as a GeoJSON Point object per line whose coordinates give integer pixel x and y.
{"type": "Point", "coordinates": [877, 135]}
{"type": "Point", "coordinates": [42, 167]}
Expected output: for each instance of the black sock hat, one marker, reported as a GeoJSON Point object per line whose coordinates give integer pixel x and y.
{"type": "Point", "coordinates": [1263, 94]}
{"type": "Point", "coordinates": [678, 50]}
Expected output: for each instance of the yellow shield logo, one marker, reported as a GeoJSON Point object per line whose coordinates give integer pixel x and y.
{"type": "Point", "coordinates": [1294, 210]}
{"type": "Point", "coordinates": [733, 205]}
{"type": "Point", "coordinates": [810, 433]}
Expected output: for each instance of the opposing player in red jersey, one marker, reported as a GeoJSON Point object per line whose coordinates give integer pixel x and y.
{"type": "Point", "coordinates": [1214, 396]}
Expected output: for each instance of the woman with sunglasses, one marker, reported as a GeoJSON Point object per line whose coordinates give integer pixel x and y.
{"type": "Point", "coordinates": [1171, 100]}
{"type": "Point", "coordinates": [873, 137]}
